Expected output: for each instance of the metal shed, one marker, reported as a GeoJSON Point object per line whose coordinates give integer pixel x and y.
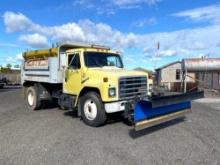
{"type": "Point", "coordinates": [207, 71]}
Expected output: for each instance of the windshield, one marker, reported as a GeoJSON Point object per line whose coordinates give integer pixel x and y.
{"type": "Point", "coordinates": [99, 59]}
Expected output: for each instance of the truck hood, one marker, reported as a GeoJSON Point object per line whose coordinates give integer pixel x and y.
{"type": "Point", "coordinates": [116, 72]}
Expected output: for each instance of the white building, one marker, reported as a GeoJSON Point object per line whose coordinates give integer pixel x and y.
{"type": "Point", "coordinates": [170, 76]}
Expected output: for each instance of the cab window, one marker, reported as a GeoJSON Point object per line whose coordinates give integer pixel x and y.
{"type": "Point", "coordinates": [99, 59]}
{"type": "Point", "coordinates": [73, 61]}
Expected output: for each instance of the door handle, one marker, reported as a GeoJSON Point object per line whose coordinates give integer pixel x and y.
{"type": "Point", "coordinates": [66, 75]}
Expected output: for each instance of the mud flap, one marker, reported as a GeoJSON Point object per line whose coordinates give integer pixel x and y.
{"type": "Point", "coordinates": [145, 115]}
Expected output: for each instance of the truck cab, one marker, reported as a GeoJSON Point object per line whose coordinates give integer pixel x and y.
{"type": "Point", "coordinates": [90, 79]}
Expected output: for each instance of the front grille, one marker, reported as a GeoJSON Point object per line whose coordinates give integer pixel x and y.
{"type": "Point", "coordinates": [131, 87]}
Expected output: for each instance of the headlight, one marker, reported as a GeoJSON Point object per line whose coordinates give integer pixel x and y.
{"type": "Point", "coordinates": [112, 92]}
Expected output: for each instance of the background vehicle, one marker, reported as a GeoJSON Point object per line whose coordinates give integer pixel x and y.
{"type": "Point", "coordinates": [88, 78]}
{"type": "Point", "coordinates": [3, 82]}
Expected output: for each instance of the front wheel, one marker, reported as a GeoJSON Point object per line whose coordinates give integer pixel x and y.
{"type": "Point", "coordinates": [92, 109]}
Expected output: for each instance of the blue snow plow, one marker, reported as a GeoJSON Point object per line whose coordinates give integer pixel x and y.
{"type": "Point", "coordinates": [147, 113]}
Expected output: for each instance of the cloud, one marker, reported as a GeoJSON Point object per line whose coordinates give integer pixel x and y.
{"type": "Point", "coordinates": [197, 45]}
{"type": "Point", "coordinates": [133, 3]}
{"type": "Point", "coordinates": [8, 45]}
{"type": "Point", "coordinates": [15, 22]}
{"type": "Point", "coordinates": [19, 57]}
{"type": "Point", "coordinates": [156, 59]}
{"type": "Point", "coordinates": [110, 7]}
{"type": "Point", "coordinates": [66, 32]}
{"type": "Point", "coordinates": [155, 55]}
{"type": "Point", "coordinates": [88, 4]}
{"type": "Point", "coordinates": [168, 53]}
{"type": "Point", "coordinates": [181, 43]}
{"type": "Point", "coordinates": [208, 13]}
{"type": "Point", "coordinates": [14, 59]}
{"type": "Point", "coordinates": [129, 60]}
{"type": "Point", "coordinates": [106, 11]}
{"type": "Point", "coordinates": [200, 55]}
{"type": "Point", "coordinates": [35, 40]}
{"type": "Point", "coordinates": [101, 8]}
{"type": "Point", "coordinates": [10, 59]}
{"type": "Point", "coordinates": [83, 31]}
{"type": "Point", "coordinates": [145, 22]}
{"type": "Point", "coordinates": [189, 40]}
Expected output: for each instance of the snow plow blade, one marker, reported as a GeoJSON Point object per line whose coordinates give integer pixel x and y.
{"type": "Point", "coordinates": [148, 113]}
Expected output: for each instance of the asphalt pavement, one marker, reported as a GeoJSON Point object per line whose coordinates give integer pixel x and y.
{"type": "Point", "coordinates": [53, 136]}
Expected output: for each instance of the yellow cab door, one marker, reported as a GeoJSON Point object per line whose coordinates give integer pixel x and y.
{"type": "Point", "coordinates": [72, 77]}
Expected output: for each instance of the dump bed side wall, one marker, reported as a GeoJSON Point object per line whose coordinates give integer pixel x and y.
{"type": "Point", "coordinates": [39, 70]}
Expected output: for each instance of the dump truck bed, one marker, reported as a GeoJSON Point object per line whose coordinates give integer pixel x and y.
{"type": "Point", "coordinates": [42, 70]}
{"type": "Point", "coordinates": [42, 66]}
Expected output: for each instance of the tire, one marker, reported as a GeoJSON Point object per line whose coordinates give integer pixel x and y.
{"type": "Point", "coordinates": [32, 99]}
{"type": "Point", "coordinates": [92, 109]}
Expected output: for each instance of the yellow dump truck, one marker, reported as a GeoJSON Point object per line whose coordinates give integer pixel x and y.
{"type": "Point", "coordinates": [90, 79]}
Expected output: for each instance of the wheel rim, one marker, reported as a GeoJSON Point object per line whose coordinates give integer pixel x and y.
{"type": "Point", "coordinates": [30, 98]}
{"type": "Point", "coordinates": [90, 109]}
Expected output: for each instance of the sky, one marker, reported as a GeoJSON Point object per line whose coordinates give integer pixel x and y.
{"type": "Point", "coordinates": [183, 29]}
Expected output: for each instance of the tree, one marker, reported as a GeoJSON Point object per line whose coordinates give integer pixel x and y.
{"type": "Point", "coordinates": [5, 70]}
{"type": "Point", "coordinates": [8, 65]}
{"type": "Point", "coordinates": [17, 66]}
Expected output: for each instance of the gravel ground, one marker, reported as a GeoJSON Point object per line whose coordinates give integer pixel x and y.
{"type": "Point", "coordinates": [214, 103]}
{"type": "Point", "coordinates": [53, 136]}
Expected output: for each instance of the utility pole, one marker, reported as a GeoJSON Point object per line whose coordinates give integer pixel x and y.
{"type": "Point", "coordinates": [156, 55]}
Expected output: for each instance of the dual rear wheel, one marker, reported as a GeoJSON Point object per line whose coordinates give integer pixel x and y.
{"type": "Point", "coordinates": [33, 101]}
